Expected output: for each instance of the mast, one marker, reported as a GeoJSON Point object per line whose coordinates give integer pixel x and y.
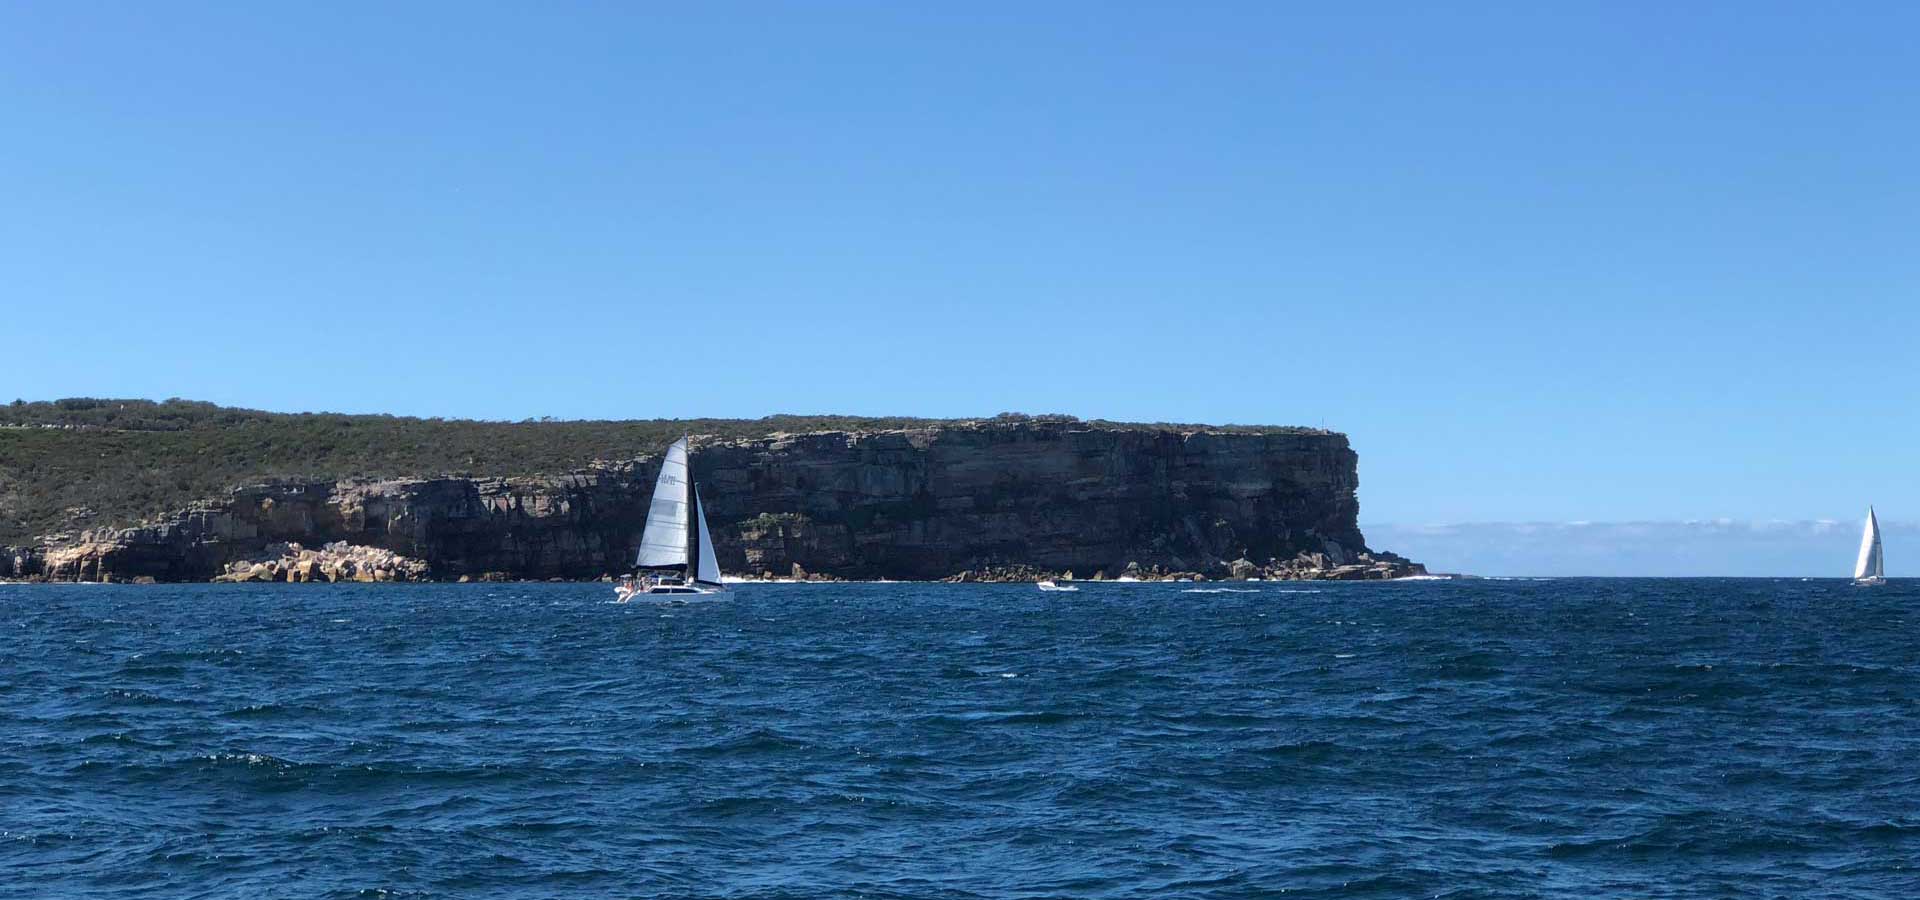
{"type": "Point", "coordinates": [693, 529]}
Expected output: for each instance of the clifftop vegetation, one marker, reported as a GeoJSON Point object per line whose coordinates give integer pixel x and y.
{"type": "Point", "coordinates": [81, 462]}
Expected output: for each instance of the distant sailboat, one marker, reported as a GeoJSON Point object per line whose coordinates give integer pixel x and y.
{"type": "Point", "coordinates": [675, 549]}
{"type": "Point", "coordinates": [1871, 568]}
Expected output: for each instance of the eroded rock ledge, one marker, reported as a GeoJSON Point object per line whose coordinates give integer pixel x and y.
{"type": "Point", "coordinates": [1364, 566]}
{"type": "Point", "coordinates": [924, 503]}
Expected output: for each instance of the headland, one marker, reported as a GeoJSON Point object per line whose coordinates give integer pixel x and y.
{"type": "Point", "coordinates": [125, 490]}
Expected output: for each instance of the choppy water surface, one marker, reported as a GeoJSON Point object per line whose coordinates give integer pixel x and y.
{"type": "Point", "coordinates": [1467, 739]}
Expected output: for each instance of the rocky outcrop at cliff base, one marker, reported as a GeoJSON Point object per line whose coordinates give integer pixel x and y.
{"type": "Point", "coordinates": [1364, 566]}
{"type": "Point", "coordinates": [338, 561]}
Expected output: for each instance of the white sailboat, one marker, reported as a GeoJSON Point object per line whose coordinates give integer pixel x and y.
{"type": "Point", "coordinates": [1871, 568]}
{"type": "Point", "coordinates": [676, 550]}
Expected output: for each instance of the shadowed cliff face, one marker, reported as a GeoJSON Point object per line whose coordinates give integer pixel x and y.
{"type": "Point", "coordinates": [931, 503]}
{"type": "Point", "coordinates": [922, 503]}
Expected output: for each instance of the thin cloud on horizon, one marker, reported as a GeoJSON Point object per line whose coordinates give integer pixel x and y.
{"type": "Point", "coordinates": [1724, 546]}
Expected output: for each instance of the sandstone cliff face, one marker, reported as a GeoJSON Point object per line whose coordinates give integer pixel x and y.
{"type": "Point", "coordinates": [924, 503]}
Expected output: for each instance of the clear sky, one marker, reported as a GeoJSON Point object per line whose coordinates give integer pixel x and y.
{"type": "Point", "coordinates": [1544, 262]}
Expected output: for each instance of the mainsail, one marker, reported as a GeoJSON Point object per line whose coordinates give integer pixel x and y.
{"type": "Point", "coordinates": [664, 543]}
{"type": "Point", "coordinates": [1871, 564]}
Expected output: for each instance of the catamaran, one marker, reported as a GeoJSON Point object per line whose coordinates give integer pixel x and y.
{"type": "Point", "coordinates": [676, 550]}
{"type": "Point", "coordinates": [1871, 568]}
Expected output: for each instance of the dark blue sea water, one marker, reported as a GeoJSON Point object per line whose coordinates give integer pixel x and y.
{"type": "Point", "coordinates": [1571, 738]}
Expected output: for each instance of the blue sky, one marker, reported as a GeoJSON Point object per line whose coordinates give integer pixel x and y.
{"type": "Point", "coordinates": [1544, 262]}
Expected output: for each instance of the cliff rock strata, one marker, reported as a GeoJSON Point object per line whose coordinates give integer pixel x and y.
{"type": "Point", "coordinates": [918, 503]}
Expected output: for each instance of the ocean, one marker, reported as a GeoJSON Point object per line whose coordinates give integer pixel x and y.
{"type": "Point", "coordinates": [1465, 739]}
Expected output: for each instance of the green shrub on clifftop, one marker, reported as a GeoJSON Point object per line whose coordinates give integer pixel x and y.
{"type": "Point", "coordinates": [83, 461]}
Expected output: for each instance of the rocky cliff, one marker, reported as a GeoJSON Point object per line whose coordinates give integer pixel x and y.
{"type": "Point", "coordinates": [912, 503]}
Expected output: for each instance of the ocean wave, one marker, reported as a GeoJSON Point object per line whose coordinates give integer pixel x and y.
{"type": "Point", "coordinates": [1689, 834]}
{"type": "Point", "coordinates": [921, 740]}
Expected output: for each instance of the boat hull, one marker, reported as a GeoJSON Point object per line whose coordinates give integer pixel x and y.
{"type": "Point", "coordinates": [669, 593]}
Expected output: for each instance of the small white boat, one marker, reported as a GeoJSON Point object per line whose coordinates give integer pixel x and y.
{"type": "Point", "coordinates": [1051, 585]}
{"type": "Point", "coordinates": [1871, 568]}
{"type": "Point", "coordinates": [676, 561]}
